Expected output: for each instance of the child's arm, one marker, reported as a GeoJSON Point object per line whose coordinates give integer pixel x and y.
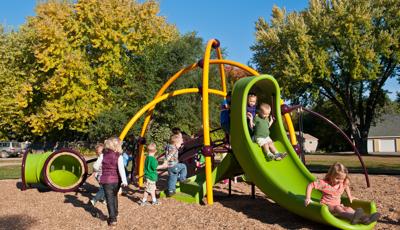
{"type": "Point", "coordinates": [271, 121]}
{"type": "Point", "coordinates": [251, 118]}
{"type": "Point", "coordinates": [97, 163]}
{"type": "Point", "coordinates": [309, 189]}
{"type": "Point", "coordinates": [121, 170]}
{"type": "Point", "coordinates": [347, 190]}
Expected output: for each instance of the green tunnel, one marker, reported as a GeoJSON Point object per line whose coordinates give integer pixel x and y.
{"type": "Point", "coordinates": [62, 171]}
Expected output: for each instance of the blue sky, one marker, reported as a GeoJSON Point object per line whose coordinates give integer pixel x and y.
{"type": "Point", "coordinates": [230, 21]}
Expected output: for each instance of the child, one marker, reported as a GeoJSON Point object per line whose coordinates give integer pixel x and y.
{"type": "Point", "coordinates": [224, 114]}
{"type": "Point", "coordinates": [175, 169]}
{"type": "Point", "coordinates": [97, 174]}
{"type": "Point", "coordinates": [151, 176]}
{"type": "Point", "coordinates": [332, 187]}
{"type": "Point", "coordinates": [261, 124]}
{"type": "Point", "coordinates": [113, 173]}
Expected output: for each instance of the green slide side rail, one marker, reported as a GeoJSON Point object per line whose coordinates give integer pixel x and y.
{"type": "Point", "coordinates": [283, 181]}
{"type": "Point", "coordinates": [194, 190]}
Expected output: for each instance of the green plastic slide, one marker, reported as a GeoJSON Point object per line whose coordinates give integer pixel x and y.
{"type": "Point", "coordinates": [283, 181]}
{"type": "Point", "coordinates": [62, 171]}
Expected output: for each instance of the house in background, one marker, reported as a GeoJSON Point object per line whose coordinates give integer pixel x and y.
{"type": "Point", "coordinates": [310, 143]}
{"type": "Point", "coordinates": [384, 137]}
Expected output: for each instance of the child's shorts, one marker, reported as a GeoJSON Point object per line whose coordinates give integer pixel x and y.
{"type": "Point", "coordinates": [263, 140]}
{"type": "Point", "coordinates": [150, 186]}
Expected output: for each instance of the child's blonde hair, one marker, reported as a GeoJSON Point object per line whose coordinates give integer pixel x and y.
{"type": "Point", "coordinates": [265, 106]}
{"type": "Point", "coordinates": [151, 148]}
{"type": "Point", "coordinates": [335, 169]}
{"type": "Point", "coordinates": [114, 144]}
{"type": "Point", "coordinates": [174, 138]}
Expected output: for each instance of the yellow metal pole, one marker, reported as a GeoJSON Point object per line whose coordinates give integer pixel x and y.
{"type": "Point", "coordinates": [140, 157]}
{"type": "Point", "coordinates": [289, 123]}
{"type": "Point", "coordinates": [206, 119]}
{"type": "Point", "coordinates": [221, 70]}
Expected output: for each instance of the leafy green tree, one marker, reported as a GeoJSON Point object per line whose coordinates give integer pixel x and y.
{"type": "Point", "coordinates": [343, 51]}
{"type": "Point", "coordinates": [145, 74]}
{"type": "Point", "coordinates": [76, 52]}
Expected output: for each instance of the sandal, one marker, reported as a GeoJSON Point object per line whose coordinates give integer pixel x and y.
{"type": "Point", "coordinates": [357, 216]}
{"type": "Point", "coordinates": [372, 218]}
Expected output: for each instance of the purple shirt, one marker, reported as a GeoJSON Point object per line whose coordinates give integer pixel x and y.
{"type": "Point", "coordinates": [252, 110]}
{"type": "Point", "coordinates": [112, 167]}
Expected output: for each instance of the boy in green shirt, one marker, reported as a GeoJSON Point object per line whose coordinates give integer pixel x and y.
{"type": "Point", "coordinates": [260, 125]}
{"type": "Point", "coordinates": [151, 176]}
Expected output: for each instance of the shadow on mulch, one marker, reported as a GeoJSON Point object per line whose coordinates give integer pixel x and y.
{"type": "Point", "coordinates": [16, 222]}
{"type": "Point", "coordinates": [267, 212]}
{"type": "Point", "coordinates": [95, 212]}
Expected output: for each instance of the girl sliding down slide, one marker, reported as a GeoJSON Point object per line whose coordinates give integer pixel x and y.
{"type": "Point", "coordinates": [332, 187]}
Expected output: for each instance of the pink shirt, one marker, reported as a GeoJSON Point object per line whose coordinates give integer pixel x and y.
{"type": "Point", "coordinates": [330, 194]}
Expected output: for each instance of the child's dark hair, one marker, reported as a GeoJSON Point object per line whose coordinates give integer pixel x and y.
{"type": "Point", "coordinates": [176, 130]}
{"type": "Point", "coordinates": [252, 94]}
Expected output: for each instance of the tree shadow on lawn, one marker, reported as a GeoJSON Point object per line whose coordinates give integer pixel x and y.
{"type": "Point", "coordinates": [267, 211]}
{"type": "Point", "coordinates": [16, 222]}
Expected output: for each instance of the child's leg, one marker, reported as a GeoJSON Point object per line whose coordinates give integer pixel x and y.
{"type": "Point", "coordinates": [116, 189]}
{"type": "Point", "coordinates": [265, 148]}
{"type": "Point", "coordinates": [145, 194]}
{"type": "Point", "coordinates": [344, 212]}
{"type": "Point", "coordinates": [182, 171]}
{"type": "Point", "coordinates": [153, 195]}
{"type": "Point", "coordinates": [272, 147]}
{"type": "Point", "coordinates": [172, 178]}
{"type": "Point", "coordinates": [100, 194]}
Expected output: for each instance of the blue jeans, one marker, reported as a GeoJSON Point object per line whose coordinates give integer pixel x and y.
{"type": "Point", "coordinates": [177, 171]}
{"type": "Point", "coordinates": [100, 194]}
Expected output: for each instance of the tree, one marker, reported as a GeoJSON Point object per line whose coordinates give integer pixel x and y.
{"type": "Point", "coordinates": [343, 51]}
{"type": "Point", "coordinates": [77, 51]}
{"type": "Point", "coordinates": [145, 74]}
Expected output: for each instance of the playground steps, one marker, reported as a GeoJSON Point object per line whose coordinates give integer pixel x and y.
{"type": "Point", "coordinates": [187, 192]}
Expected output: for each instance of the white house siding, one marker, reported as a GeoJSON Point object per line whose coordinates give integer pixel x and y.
{"type": "Point", "coordinates": [387, 145]}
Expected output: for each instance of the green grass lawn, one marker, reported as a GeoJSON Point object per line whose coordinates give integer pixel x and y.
{"type": "Point", "coordinates": [10, 172]}
{"type": "Point", "coordinates": [316, 163]}
{"type": "Point", "coordinates": [374, 164]}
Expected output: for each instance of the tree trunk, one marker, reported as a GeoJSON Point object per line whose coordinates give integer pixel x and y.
{"type": "Point", "coordinates": [361, 142]}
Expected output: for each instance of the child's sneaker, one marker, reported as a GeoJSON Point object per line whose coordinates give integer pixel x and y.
{"type": "Point", "coordinates": [270, 156]}
{"type": "Point", "coordinates": [170, 193]}
{"type": "Point", "coordinates": [357, 216]}
{"type": "Point", "coordinates": [103, 202]}
{"type": "Point", "coordinates": [372, 218]}
{"type": "Point", "coordinates": [156, 203]}
{"type": "Point", "coordinates": [93, 202]}
{"type": "Point", "coordinates": [143, 203]}
{"type": "Point", "coordinates": [185, 181]}
{"type": "Point", "coordinates": [280, 156]}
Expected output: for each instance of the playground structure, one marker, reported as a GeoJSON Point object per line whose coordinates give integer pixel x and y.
{"type": "Point", "coordinates": [64, 170]}
{"type": "Point", "coordinates": [284, 182]}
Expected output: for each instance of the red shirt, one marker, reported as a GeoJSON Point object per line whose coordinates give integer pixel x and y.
{"type": "Point", "coordinates": [330, 194]}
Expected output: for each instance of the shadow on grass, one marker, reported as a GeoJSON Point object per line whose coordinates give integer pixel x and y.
{"type": "Point", "coordinates": [16, 222]}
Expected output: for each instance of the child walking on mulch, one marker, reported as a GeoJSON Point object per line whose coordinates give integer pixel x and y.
{"type": "Point", "coordinates": [97, 174]}
{"type": "Point", "coordinates": [150, 175]}
{"type": "Point", "coordinates": [113, 173]}
{"type": "Point", "coordinates": [332, 187]}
